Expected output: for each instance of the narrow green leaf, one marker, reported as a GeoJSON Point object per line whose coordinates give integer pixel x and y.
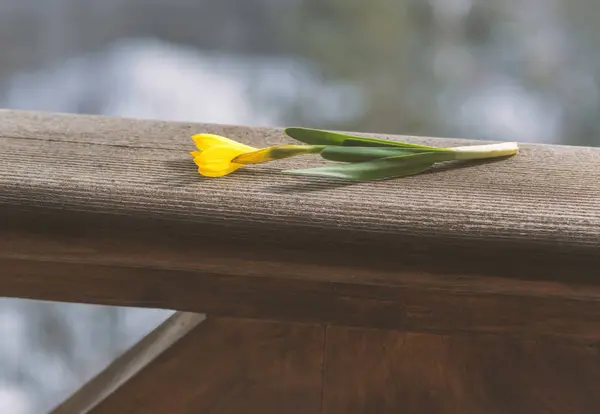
{"type": "Point", "coordinates": [321, 137]}
{"type": "Point", "coordinates": [379, 169]}
{"type": "Point", "coordinates": [360, 154]}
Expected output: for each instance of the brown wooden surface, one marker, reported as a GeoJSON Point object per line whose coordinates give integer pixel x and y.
{"type": "Point", "coordinates": [495, 264]}
{"type": "Point", "coordinates": [112, 211]}
{"type": "Point", "coordinates": [222, 366]}
{"type": "Point", "coordinates": [233, 366]}
{"type": "Point", "coordinates": [370, 371]}
{"type": "Point", "coordinates": [407, 302]}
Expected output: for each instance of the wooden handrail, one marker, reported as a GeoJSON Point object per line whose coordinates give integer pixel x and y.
{"type": "Point", "coordinates": [112, 211]}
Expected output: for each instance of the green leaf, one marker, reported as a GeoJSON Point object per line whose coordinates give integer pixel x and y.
{"type": "Point", "coordinates": [379, 169]}
{"type": "Point", "coordinates": [359, 154]}
{"type": "Point", "coordinates": [321, 137]}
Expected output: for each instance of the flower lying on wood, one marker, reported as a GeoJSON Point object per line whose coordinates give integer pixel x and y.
{"type": "Point", "coordinates": [362, 158]}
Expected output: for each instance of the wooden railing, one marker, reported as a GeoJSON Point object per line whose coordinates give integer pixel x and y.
{"type": "Point", "coordinates": [472, 288]}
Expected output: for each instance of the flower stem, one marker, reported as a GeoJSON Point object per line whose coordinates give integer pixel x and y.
{"type": "Point", "coordinates": [475, 152]}
{"type": "Point", "coordinates": [277, 152]}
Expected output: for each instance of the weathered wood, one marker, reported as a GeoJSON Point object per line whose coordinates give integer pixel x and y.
{"type": "Point", "coordinates": [371, 371]}
{"type": "Point", "coordinates": [220, 365]}
{"type": "Point", "coordinates": [112, 211]}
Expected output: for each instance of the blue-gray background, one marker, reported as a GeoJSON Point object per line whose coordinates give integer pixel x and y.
{"type": "Point", "coordinates": [525, 70]}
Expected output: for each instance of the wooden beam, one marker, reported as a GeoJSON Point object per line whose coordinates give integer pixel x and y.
{"type": "Point", "coordinates": [112, 211]}
{"type": "Point", "coordinates": [392, 372]}
{"type": "Point", "coordinates": [219, 365]}
{"type": "Point", "coordinates": [409, 303]}
{"type": "Point", "coordinates": [133, 362]}
{"type": "Point", "coordinates": [196, 365]}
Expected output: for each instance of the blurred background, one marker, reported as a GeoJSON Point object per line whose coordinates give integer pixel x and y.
{"type": "Point", "coordinates": [525, 70]}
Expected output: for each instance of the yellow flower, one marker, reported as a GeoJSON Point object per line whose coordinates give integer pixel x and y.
{"type": "Point", "coordinates": [219, 156]}
{"type": "Point", "coordinates": [216, 154]}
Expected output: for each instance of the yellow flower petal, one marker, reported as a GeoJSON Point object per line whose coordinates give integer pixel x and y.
{"type": "Point", "coordinates": [206, 141]}
{"type": "Point", "coordinates": [221, 173]}
{"type": "Point", "coordinates": [216, 161]}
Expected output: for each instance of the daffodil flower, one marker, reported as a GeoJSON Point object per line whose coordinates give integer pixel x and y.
{"type": "Point", "coordinates": [218, 156]}
{"type": "Point", "coordinates": [359, 158]}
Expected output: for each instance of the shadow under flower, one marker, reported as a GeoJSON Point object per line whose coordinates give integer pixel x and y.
{"type": "Point", "coordinates": [185, 174]}
{"type": "Point", "coordinates": [457, 165]}
{"type": "Point", "coordinates": [314, 184]}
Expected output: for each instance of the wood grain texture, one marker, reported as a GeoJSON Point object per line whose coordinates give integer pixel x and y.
{"type": "Point", "coordinates": [223, 366]}
{"type": "Point", "coordinates": [376, 371]}
{"type": "Point", "coordinates": [112, 211]}
{"type": "Point", "coordinates": [410, 303]}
